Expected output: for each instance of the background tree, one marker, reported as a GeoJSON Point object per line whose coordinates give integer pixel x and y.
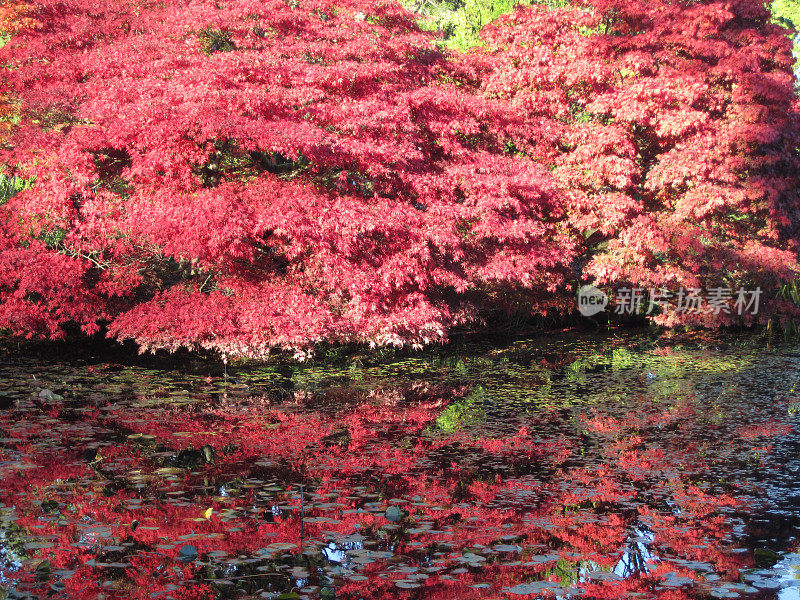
{"type": "Point", "coordinates": [787, 13]}
{"type": "Point", "coordinates": [460, 21]}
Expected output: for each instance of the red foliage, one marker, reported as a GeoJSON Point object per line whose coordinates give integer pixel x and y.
{"type": "Point", "coordinates": [240, 175]}
{"type": "Point", "coordinates": [15, 16]}
{"type": "Point", "coordinates": [671, 124]}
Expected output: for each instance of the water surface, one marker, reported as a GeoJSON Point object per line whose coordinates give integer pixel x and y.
{"type": "Point", "coordinates": [571, 466]}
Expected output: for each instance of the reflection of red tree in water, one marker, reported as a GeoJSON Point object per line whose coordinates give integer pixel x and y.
{"type": "Point", "coordinates": [553, 506]}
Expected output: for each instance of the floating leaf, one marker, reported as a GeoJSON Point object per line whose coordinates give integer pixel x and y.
{"type": "Point", "coordinates": [187, 553]}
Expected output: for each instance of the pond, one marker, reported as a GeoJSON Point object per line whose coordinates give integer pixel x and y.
{"type": "Point", "coordinates": [566, 466]}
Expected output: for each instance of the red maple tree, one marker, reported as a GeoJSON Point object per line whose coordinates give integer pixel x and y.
{"type": "Point", "coordinates": [672, 126]}
{"type": "Point", "coordinates": [239, 176]}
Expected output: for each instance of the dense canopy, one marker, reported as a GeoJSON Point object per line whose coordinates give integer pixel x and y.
{"type": "Point", "coordinates": [241, 175]}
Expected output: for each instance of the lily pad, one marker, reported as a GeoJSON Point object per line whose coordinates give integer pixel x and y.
{"type": "Point", "coordinates": [187, 553]}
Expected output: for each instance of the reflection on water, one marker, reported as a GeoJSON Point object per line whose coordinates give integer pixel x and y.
{"type": "Point", "coordinates": [561, 468]}
{"type": "Point", "coordinates": [637, 559]}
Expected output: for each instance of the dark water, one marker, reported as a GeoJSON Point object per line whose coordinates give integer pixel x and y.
{"type": "Point", "coordinates": [563, 467]}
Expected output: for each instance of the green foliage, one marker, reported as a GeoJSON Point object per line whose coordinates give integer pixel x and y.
{"type": "Point", "coordinates": [789, 328]}
{"type": "Point", "coordinates": [216, 41]}
{"type": "Point", "coordinates": [567, 573]}
{"type": "Point", "coordinates": [53, 238]}
{"type": "Point", "coordinates": [787, 13]}
{"type": "Point", "coordinates": [460, 21]}
{"type": "Point", "coordinates": [10, 186]}
{"type": "Point", "coordinates": [622, 358]}
{"type": "Point", "coordinates": [791, 291]}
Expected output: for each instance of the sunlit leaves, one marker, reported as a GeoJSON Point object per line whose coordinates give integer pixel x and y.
{"type": "Point", "coordinates": [240, 176]}
{"type": "Point", "coordinates": [307, 161]}
{"type": "Point", "coordinates": [670, 122]}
